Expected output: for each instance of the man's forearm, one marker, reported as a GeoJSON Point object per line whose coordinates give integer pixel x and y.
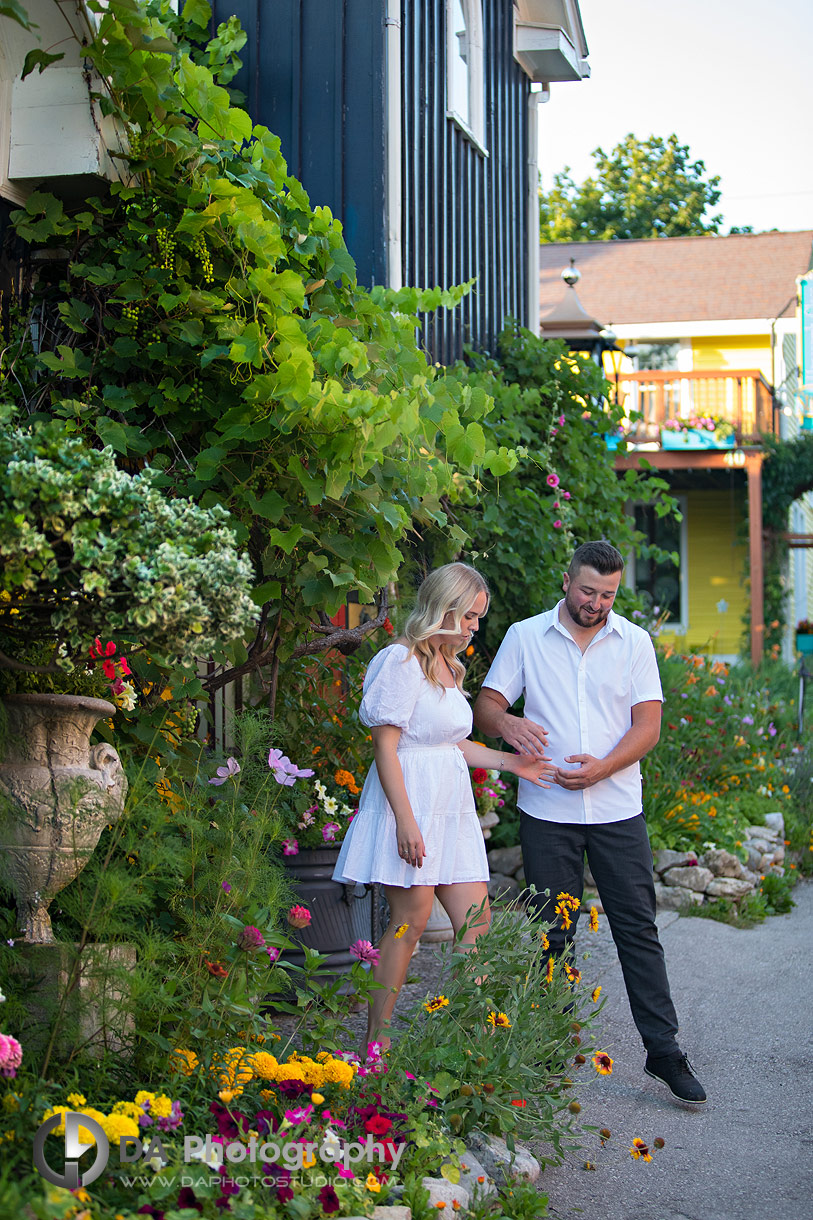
{"type": "Point", "coordinates": [488, 716]}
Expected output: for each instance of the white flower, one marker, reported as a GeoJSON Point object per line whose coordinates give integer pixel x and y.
{"type": "Point", "coordinates": [330, 805]}
{"type": "Point", "coordinates": [321, 790]}
{"type": "Point", "coordinates": [2, 997]}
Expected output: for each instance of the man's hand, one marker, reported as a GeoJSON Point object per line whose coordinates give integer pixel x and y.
{"type": "Point", "coordinates": [590, 772]}
{"type": "Point", "coordinates": [526, 736]}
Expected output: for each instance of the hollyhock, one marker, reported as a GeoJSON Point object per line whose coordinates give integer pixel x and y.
{"type": "Point", "coordinates": [552, 480]}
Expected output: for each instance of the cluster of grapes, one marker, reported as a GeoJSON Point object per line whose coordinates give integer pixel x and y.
{"type": "Point", "coordinates": [136, 144]}
{"type": "Point", "coordinates": [200, 248]}
{"type": "Point", "coordinates": [131, 312]}
{"type": "Point", "coordinates": [166, 244]}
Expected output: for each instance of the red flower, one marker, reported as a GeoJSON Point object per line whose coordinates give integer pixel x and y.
{"type": "Point", "coordinates": [480, 775]}
{"type": "Point", "coordinates": [378, 1125]}
{"type": "Point", "coordinates": [329, 1200]}
{"type": "Point", "coordinates": [217, 970]}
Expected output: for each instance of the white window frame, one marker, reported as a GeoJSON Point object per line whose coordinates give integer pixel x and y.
{"type": "Point", "coordinates": [473, 126]}
{"type": "Point", "coordinates": [681, 626]}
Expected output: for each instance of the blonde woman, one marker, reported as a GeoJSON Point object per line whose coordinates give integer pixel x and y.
{"type": "Point", "coordinates": [416, 832]}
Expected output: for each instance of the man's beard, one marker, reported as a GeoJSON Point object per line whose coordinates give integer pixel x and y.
{"type": "Point", "coordinates": [581, 618]}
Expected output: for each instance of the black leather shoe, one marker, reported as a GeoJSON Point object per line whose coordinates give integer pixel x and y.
{"type": "Point", "coordinates": [676, 1073]}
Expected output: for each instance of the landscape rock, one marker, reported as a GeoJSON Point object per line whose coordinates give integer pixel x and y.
{"type": "Point", "coordinates": [766, 847]}
{"type": "Point", "coordinates": [447, 1193]}
{"type": "Point", "coordinates": [728, 887]}
{"type": "Point", "coordinates": [779, 855]}
{"type": "Point", "coordinates": [754, 858]}
{"type": "Point", "coordinates": [675, 897]}
{"type": "Point", "coordinates": [723, 863]}
{"type": "Point", "coordinates": [776, 822]}
{"type": "Point", "coordinates": [777, 870]}
{"type": "Point", "coordinates": [665, 859]}
{"type": "Point", "coordinates": [501, 886]}
{"type": "Point", "coordinates": [499, 1163]}
{"type": "Point", "coordinates": [505, 859]}
{"type": "Point", "coordinates": [696, 878]}
{"type": "Point", "coordinates": [589, 879]}
{"type": "Point", "coordinates": [390, 1212]}
{"type": "Point", "coordinates": [471, 1172]}
{"type": "Point", "coordinates": [761, 832]}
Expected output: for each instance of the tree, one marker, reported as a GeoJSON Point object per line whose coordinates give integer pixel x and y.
{"type": "Point", "coordinates": [643, 188]}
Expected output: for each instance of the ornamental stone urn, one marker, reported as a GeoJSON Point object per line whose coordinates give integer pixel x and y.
{"type": "Point", "coordinates": [57, 793]}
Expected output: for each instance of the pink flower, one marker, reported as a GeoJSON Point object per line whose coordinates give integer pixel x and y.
{"type": "Point", "coordinates": [329, 831]}
{"type": "Point", "coordinates": [364, 951]}
{"type": "Point", "coordinates": [565, 495]}
{"type": "Point", "coordinates": [772, 729]}
{"type": "Point", "coordinates": [284, 770]}
{"type": "Point", "coordinates": [552, 480]}
{"type": "Point", "coordinates": [124, 667]}
{"type": "Point", "coordinates": [290, 847]}
{"type": "Point", "coordinates": [11, 1055]}
{"type": "Point", "coordinates": [300, 1115]}
{"type": "Point", "coordinates": [250, 938]}
{"type": "Point", "coordinates": [557, 525]}
{"type": "Point", "coordinates": [299, 917]}
{"type": "Point", "coordinates": [273, 954]}
{"type": "Point", "coordinates": [231, 768]}
{"type": "Point", "coordinates": [561, 421]}
{"type": "Point", "coordinates": [345, 1173]}
{"type": "Point", "coordinates": [556, 504]}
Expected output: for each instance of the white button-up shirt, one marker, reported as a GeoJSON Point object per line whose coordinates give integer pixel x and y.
{"type": "Point", "coordinates": [585, 701]}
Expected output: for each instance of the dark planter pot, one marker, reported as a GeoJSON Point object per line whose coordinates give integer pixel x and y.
{"type": "Point", "coordinates": [340, 914]}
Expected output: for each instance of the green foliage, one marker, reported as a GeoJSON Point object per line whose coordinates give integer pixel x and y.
{"type": "Point", "coordinates": [88, 549]}
{"type": "Point", "coordinates": [786, 476]}
{"type": "Point", "coordinates": [643, 188]}
{"type": "Point", "coordinates": [207, 320]}
{"type": "Point", "coordinates": [550, 410]}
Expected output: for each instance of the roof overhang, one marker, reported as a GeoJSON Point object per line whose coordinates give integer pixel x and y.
{"type": "Point", "coordinates": [693, 329]}
{"type": "Point", "coordinates": [549, 42]}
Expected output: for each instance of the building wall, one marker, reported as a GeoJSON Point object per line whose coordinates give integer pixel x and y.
{"type": "Point", "coordinates": [716, 556]}
{"type": "Point", "coordinates": [733, 352]}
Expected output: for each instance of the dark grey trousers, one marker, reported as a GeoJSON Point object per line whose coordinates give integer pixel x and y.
{"type": "Point", "coordinates": [620, 860]}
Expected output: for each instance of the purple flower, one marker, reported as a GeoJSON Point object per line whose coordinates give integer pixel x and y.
{"type": "Point", "coordinates": [225, 885]}
{"type": "Point", "coordinates": [748, 719]}
{"type": "Point", "coordinates": [728, 700]}
{"type": "Point", "coordinates": [284, 770]}
{"type": "Point", "coordinates": [250, 938]}
{"type": "Point", "coordinates": [772, 729]}
{"type": "Point", "coordinates": [364, 951]}
{"type": "Point", "coordinates": [300, 1115]}
{"type": "Point", "coordinates": [173, 1120]}
{"type": "Point", "coordinates": [290, 847]}
{"type": "Point", "coordinates": [329, 831]}
{"type": "Point", "coordinates": [329, 1200]}
{"type": "Point", "coordinates": [231, 768]}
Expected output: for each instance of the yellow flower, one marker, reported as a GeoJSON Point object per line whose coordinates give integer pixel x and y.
{"type": "Point", "coordinates": [545, 941]}
{"type": "Point", "coordinates": [400, 930]}
{"type": "Point", "coordinates": [572, 973]}
{"type": "Point", "coordinates": [336, 1071]}
{"type": "Point", "coordinates": [498, 1020]}
{"type": "Point", "coordinates": [263, 1065]}
{"type": "Point", "coordinates": [593, 925]}
{"type": "Point", "coordinates": [128, 1108]}
{"type": "Point", "coordinates": [373, 1183]}
{"type": "Point", "coordinates": [595, 994]}
{"type": "Point", "coordinates": [161, 1106]}
{"type": "Point", "coordinates": [76, 1100]}
{"type": "Point", "coordinates": [602, 1063]}
{"type": "Point", "coordinates": [640, 1150]}
{"type": "Point", "coordinates": [549, 971]}
{"type": "Point", "coordinates": [182, 1060]}
{"type": "Point", "coordinates": [568, 900]}
{"type": "Point", "coordinates": [562, 912]}
{"type": "Point", "coordinates": [437, 1002]}
{"type": "Point", "coordinates": [317, 1099]}
{"type": "Point", "coordinates": [117, 1124]}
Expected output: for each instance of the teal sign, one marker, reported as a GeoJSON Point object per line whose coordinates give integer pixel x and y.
{"type": "Point", "coordinates": [806, 291]}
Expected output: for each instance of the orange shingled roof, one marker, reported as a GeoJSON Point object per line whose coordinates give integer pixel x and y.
{"type": "Point", "coordinates": [676, 279]}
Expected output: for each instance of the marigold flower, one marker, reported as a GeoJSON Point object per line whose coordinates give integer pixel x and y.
{"type": "Point", "coordinates": [498, 1020]}
{"type": "Point", "coordinates": [344, 779]}
{"type": "Point", "coordinates": [182, 1060]}
{"type": "Point", "coordinates": [299, 916]}
{"type": "Point", "coordinates": [436, 1003]}
{"type": "Point", "coordinates": [602, 1063]}
{"type": "Point", "coordinates": [593, 925]}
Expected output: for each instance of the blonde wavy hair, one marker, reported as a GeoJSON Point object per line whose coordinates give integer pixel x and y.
{"type": "Point", "coordinates": [450, 589]}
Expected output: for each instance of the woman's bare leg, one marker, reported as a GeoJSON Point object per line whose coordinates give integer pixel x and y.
{"type": "Point", "coordinates": [459, 900]}
{"type": "Point", "coordinates": [407, 906]}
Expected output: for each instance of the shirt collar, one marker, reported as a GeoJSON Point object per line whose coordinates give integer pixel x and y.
{"type": "Point", "coordinates": [615, 622]}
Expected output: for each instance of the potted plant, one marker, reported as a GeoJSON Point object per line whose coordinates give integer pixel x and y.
{"type": "Point", "coordinates": [804, 635]}
{"type": "Point", "coordinates": [88, 551]}
{"type": "Point", "coordinates": [698, 432]}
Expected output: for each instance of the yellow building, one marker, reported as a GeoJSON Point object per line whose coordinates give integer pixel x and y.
{"type": "Point", "coordinates": [709, 330]}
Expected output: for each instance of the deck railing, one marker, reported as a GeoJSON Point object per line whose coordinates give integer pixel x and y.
{"type": "Point", "coordinates": [741, 396]}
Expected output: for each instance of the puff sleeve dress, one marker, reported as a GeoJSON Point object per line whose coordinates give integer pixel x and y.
{"type": "Point", "coordinates": [432, 721]}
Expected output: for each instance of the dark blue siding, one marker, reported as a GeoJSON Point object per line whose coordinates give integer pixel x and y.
{"type": "Point", "coordinates": [314, 74]}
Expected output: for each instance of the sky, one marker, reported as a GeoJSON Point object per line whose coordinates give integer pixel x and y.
{"type": "Point", "coordinates": [733, 79]}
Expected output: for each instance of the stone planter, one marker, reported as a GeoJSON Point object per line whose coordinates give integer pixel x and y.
{"type": "Point", "coordinates": [340, 914]}
{"type": "Point", "coordinates": [57, 793]}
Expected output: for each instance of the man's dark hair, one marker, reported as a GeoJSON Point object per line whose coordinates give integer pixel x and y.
{"type": "Point", "coordinates": [599, 555]}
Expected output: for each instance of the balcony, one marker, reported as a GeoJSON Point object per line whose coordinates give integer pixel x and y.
{"type": "Point", "coordinates": [741, 396]}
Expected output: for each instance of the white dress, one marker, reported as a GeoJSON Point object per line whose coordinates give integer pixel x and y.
{"type": "Point", "coordinates": [432, 720]}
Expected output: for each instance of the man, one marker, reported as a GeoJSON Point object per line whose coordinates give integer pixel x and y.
{"type": "Point", "coordinates": [591, 676]}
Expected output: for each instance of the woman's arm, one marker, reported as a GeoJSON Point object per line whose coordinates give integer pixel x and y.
{"type": "Point", "coordinates": [524, 765]}
{"type": "Point", "coordinates": [385, 746]}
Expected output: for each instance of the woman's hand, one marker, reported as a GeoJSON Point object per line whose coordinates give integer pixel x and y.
{"type": "Point", "coordinates": [537, 770]}
{"type": "Point", "coordinates": [411, 847]}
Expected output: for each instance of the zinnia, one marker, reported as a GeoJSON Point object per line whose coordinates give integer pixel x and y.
{"type": "Point", "coordinates": [11, 1055]}
{"type": "Point", "coordinates": [365, 951]}
{"type": "Point", "coordinates": [299, 917]}
{"type": "Point", "coordinates": [250, 938]}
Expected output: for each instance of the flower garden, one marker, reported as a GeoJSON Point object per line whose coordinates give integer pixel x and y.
{"type": "Point", "coordinates": [219, 447]}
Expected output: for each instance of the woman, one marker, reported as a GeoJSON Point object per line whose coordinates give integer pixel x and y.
{"type": "Point", "coordinates": [416, 832]}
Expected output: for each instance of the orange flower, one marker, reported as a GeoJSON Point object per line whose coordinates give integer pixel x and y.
{"type": "Point", "coordinates": [549, 971]}
{"type": "Point", "coordinates": [640, 1150]}
{"type": "Point", "coordinates": [596, 993]}
{"type": "Point", "coordinates": [602, 1063]}
{"type": "Point", "coordinates": [572, 973]}
{"type": "Point", "coordinates": [593, 925]}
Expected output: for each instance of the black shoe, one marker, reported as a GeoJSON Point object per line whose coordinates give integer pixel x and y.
{"type": "Point", "coordinates": [676, 1073]}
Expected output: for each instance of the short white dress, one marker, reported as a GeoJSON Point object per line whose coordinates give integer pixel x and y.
{"type": "Point", "coordinates": [432, 721]}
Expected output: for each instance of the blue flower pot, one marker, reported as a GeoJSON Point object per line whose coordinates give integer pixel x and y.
{"type": "Point", "coordinates": [694, 438]}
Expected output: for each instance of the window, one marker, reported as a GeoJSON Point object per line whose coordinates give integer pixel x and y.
{"type": "Point", "coordinates": [464, 66]}
{"type": "Point", "coordinates": [663, 585]}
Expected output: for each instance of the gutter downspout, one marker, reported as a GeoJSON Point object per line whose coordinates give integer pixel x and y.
{"type": "Point", "coordinates": [536, 96]}
{"type": "Point", "coordinates": [394, 202]}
